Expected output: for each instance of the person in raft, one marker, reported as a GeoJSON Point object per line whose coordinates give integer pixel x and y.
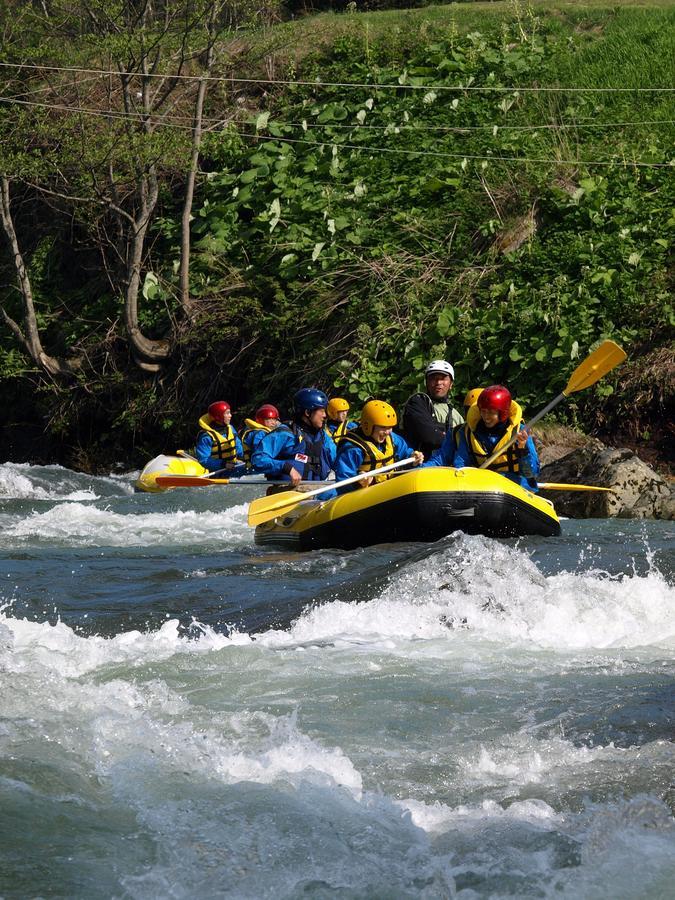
{"type": "Point", "coordinates": [218, 446]}
{"type": "Point", "coordinates": [491, 423]}
{"type": "Point", "coordinates": [470, 398]}
{"type": "Point", "coordinates": [429, 416]}
{"type": "Point", "coordinates": [371, 446]}
{"type": "Point", "coordinates": [301, 451]}
{"type": "Point", "coordinates": [267, 418]}
{"type": "Point", "coordinates": [337, 423]}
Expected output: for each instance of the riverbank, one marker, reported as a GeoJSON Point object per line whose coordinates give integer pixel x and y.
{"type": "Point", "coordinates": [479, 182]}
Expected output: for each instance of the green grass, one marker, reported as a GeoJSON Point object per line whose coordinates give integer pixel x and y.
{"type": "Point", "coordinates": [616, 44]}
{"type": "Point", "coordinates": [601, 44]}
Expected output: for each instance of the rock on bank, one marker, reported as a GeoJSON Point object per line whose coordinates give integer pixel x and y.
{"type": "Point", "coordinates": [638, 492]}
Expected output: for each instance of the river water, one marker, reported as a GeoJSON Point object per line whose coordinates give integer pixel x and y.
{"type": "Point", "coordinates": [183, 714]}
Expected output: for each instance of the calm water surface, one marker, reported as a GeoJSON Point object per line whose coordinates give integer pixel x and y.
{"type": "Point", "coordinates": [183, 714]}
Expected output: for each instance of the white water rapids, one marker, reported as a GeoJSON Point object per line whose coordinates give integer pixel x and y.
{"type": "Point", "coordinates": [183, 715]}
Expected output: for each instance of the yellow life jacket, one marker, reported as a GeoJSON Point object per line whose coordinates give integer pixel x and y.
{"type": "Point", "coordinates": [339, 432]}
{"type": "Point", "coordinates": [507, 461]}
{"type": "Point", "coordinates": [251, 426]}
{"type": "Point", "coordinates": [223, 446]}
{"type": "Point", "coordinates": [373, 457]}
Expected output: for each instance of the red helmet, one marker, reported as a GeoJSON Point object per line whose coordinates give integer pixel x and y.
{"type": "Point", "coordinates": [217, 411]}
{"type": "Point", "coordinates": [498, 398]}
{"type": "Point", "coordinates": [266, 411]}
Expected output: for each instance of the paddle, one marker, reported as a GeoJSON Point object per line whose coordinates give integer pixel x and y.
{"type": "Point", "coordinates": [205, 480]}
{"type": "Point", "coordinates": [266, 508]}
{"type": "Point", "coordinates": [552, 486]}
{"type": "Point", "coordinates": [598, 363]}
{"type": "Point", "coordinates": [186, 455]}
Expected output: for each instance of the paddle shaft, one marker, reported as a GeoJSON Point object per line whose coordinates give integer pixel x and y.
{"type": "Point", "coordinates": [553, 486]}
{"type": "Point", "coordinates": [539, 415]}
{"type": "Point", "coordinates": [598, 363]}
{"type": "Point", "coordinates": [217, 472]}
{"type": "Point", "coordinates": [336, 484]}
{"type": "Point", "coordinates": [267, 508]}
{"type": "Point", "coordinates": [171, 480]}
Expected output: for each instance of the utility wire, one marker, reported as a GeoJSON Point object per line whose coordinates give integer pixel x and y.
{"type": "Point", "coordinates": [443, 155]}
{"type": "Point", "coordinates": [343, 84]}
{"type": "Point", "coordinates": [460, 128]}
{"type": "Point", "coordinates": [177, 119]}
{"type": "Point", "coordinates": [362, 148]}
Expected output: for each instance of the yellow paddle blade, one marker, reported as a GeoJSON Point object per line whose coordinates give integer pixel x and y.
{"type": "Point", "coordinates": [265, 508]}
{"type": "Point", "coordinates": [598, 363]}
{"type": "Point", "coordinates": [553, 486]}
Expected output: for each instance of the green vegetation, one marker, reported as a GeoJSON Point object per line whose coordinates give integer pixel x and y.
{"type": "Point", "coordinates": [408, 196]}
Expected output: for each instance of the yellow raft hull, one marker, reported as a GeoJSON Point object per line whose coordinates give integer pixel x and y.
{"type": "Point", "coordinates": [420, 505]}
{"type": "Point", "coordinates": [166, 465]}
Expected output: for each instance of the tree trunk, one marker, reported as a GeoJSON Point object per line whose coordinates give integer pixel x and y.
{"type": "Point", "coordinates": [184, 276]}
{"type": "Point", "coordinates": [148, 354]}
{"type": "Point", "coordinates": [29, 335]}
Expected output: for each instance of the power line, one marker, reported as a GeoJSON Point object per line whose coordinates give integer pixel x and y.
{"type": "Point", "coordinates": [344, 84]}
{"type": "Point", "coordinates": [105, 114]}
{"type": "Point", "coordinates": [460, 128]}
{"type": "Point", "coordinates": [489, 158]}
{"type": "Point", "coordinates": [177, 119]}
{"type": "Point", "coordinates": [113, 114]}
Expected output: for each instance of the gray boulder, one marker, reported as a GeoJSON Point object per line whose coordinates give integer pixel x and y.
{"type": "Point", "coordinates": [638, 492]}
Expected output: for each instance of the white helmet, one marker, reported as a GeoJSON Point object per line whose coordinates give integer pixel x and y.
{"type": "Point", "coordinates": [441, 367]}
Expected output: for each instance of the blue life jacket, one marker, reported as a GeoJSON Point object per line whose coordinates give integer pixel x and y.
{"type": "Point", "coordinates": [310, 454]}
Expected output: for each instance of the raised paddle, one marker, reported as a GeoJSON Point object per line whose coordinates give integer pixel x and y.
{"type": "Point", "coordinates": [266, 508]}
{"type": "Point", "coordinates": [598, 363]}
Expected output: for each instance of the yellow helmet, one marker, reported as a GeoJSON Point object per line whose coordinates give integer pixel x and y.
{"type": "Point", "coordinates": [377, 413]}
{"type": "Point", "coordinates": [472, 397]}
{"type": "Point", "coordinates": [336, 405]}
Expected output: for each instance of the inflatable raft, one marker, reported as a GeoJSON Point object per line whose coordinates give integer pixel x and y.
{"type": "Point", "coordinates": [185, 465]}
{"type": "Point", "coordinates": [166, 465]}
{"type": "Point", "coordinates": [419, 505]}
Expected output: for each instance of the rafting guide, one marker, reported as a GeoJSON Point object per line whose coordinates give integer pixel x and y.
{"type": "Point", "coordinates": [427, 417]}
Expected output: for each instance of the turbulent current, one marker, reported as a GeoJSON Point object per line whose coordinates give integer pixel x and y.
{"type": "Point", "coordinates": [183, 714]}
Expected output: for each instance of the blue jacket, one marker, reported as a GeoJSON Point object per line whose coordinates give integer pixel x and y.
{"type": "Point", "coordinates": [250, 441]}
{"type": "Point", "coordinates": [204, 448]}
{"type": "Point", "coordinates": [448, 454]}
{"type": "Point", "coordinates": [350, 459]}
{"type": "Point", "coordinates": [312, 454]}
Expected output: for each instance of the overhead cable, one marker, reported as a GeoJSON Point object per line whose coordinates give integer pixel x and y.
{"type": "Point", "coordinates": [113, 114]}
{"type": "Point", "coordinates": [232, 79]}
{"type": "Point", "coordinates": [177, 120]}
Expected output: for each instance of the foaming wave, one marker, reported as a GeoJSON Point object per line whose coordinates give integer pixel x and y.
{"type": "Point", "coordinates": [22, 481]}
{"type": "Point", "coordinates": [526, 848]}
{"type": "Point", "coordinates": [498, 591]}
{"type": "Point", "coordinates": [495, 592]}
{"type": "Point", "coordinates": [521, 760]}
{"type": "Point", "coordinates": [14, 485]}
{"type": "Point", "coordinates": [78, 525]}
{"type": "Point", "coordinates": [438, 817]}
{"type": "Point", "coordinates": [58, 649]}
{"type": "Point", "coordinates": [150, 716]}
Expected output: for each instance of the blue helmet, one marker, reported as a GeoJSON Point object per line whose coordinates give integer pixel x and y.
{"type": "Point", "coordinates": [309, 399]}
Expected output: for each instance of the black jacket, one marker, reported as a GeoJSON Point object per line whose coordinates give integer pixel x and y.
{"type": "Point", "coordinates": [419, 426]}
